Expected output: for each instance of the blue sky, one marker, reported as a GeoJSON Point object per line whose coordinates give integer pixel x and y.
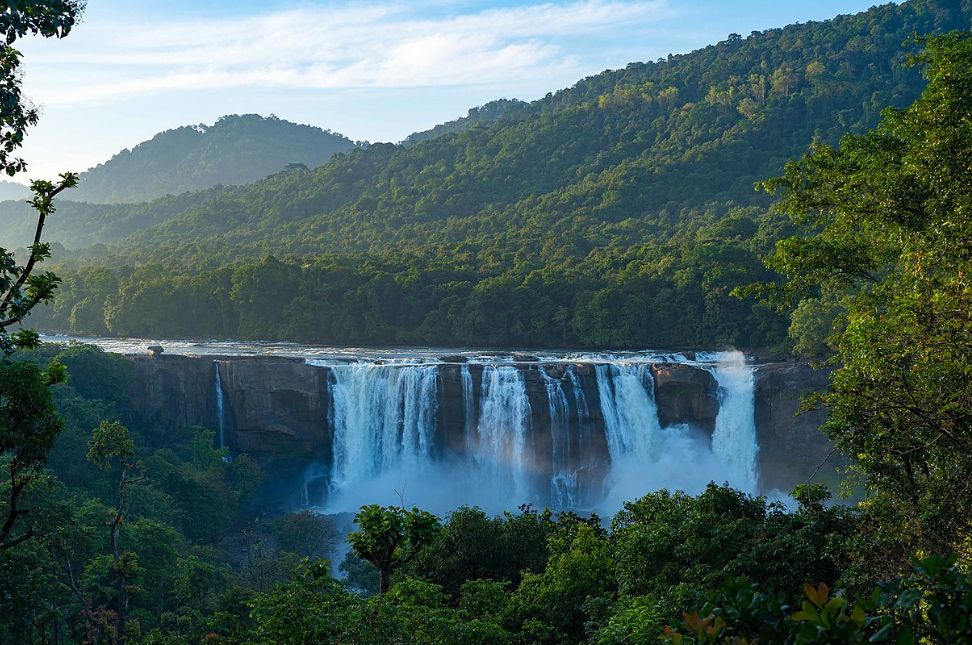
{"type": "Point", "coordinates": [370, 70]}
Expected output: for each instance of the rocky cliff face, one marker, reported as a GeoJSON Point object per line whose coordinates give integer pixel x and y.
{"type": "Point", "coordinates": [172, 392]}
{"type": "Point", "coordinates": [277, 410]}
{"type": "Point", "coordinates": [274, 408]}
{"type": "Point", "coordinates": [685, 394]}
{"type": "Point", "coordinates": [791, 445]}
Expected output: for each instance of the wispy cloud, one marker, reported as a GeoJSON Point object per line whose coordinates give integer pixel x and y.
{"type": "Point", "coordinates": [377, 45]}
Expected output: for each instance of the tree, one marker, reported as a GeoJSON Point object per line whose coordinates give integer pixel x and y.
{"type": "Point", "coordinates": [22, 290]}
{"type": "Point", "coordinates": [28, 424]}
{"type": "Point", "coordinates": [931, 605]}
{"type": "Point", "coordinates": [552, 605]}
{"type": "Point", "coordinates": [389, 537]}
{"type": "Point", "coordinates": [112, 448]}
{"type": "Point", "coordinates": [886, 236]}
{"type": "Point", "coordinates": [306, 533]}
{"type": "Point", "coordinates": [473, 545]}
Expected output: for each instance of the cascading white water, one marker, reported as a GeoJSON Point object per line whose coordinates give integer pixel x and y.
{"type": "Point", "coordinates": [504, 420]}
{"type": "Point", "coordinates": [220, 414]}
{"type": "Point", "coordinates": [628, 405]}
{"type": "Point", "coordinates": [734, 440]}
{"type": "Point", "coordinates": [383, 416]}
{"type": "Point", "coordinates": [383, 427]}
{"type": "Point", "coordinates": [384, 424]}
{"type": "Point", "coordinates": [468, 408]}
{"type": "Point", "coordinates": [580, 400]}
{"type": "Point", "coordinates": [563, 480]}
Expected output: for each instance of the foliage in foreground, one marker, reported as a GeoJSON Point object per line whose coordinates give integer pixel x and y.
{"type": "Point", "coordinates": [886, 245]}
{"type": "Point", "coordinates": [933, 604]}
{"type": "Point", "coordinates": [139, 540]}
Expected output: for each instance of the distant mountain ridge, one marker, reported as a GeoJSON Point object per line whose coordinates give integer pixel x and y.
{"type": "Point", "coordinates": [237, 149]}
{"type": "Point", "coordinates": [10, 190]}
{"type": "Point", "coordinates": [488, 113]}
{"type": "Point", "coordinates": [582, 219]}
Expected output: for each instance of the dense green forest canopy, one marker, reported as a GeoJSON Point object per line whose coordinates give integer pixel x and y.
{"type": "Point", "coordinates": [582, 219]}
{"type": "Point", "coordinates": [237, 149]}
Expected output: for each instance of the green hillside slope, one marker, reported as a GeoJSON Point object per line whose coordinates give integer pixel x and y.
{"type": "Point", "coordinates": [620, 211]}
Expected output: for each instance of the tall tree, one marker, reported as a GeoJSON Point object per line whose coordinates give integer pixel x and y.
{"type": "Point", "coordinates": [887, 236]}
{"type": "Point", "coordinates": [389, 537]}
{"type": "Point", "coordinates": [28, 423]}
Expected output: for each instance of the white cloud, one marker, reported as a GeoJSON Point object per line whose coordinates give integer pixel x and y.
{"type": "Point", "coordinates": [375, 46]}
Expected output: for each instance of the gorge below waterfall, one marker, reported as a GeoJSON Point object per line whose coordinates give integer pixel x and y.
{"type": "Point", "coordinates": [337, 428]}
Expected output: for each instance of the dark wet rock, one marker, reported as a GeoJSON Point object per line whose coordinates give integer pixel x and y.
{"type": "Point", "coordinates": [791, 445]}
{"type": "Point", "coordinates": [275, 409]}
{"type": "Point", "coordinates": [555, 370]}
{"type": "Point", "coordinates": [685, 394]}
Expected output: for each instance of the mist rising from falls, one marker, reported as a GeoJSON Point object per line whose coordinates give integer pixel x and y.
{"type": "Point", "coordinates": [580, 433]}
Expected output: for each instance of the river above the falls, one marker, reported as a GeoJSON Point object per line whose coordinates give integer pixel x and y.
{"type": "Point", "coordinates": [394, 355]}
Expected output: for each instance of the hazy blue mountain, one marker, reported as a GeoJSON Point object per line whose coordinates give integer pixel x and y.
{"type": "Point", "coordinates": [235, 150]}
{"type": "Point", "coordinates": [13, 190]}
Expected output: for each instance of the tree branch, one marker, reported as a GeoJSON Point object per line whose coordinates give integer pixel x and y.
{"type": "Point", "coordinates": [16, 488]}
{"type": "Point", "coordinates": [44, 208]}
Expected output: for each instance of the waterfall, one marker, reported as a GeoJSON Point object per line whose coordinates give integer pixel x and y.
{"type": "Point", "coordinates": [384, 428]}
{"type": "Point", "coordinates": [563, 480]}
{"type": "Point", "coordinates": [734, 440]}
{"type": "Point", "coordinates": [468, 408]}
{"type": "Point", "coordinates": [628, 405]}
{"type": "Point", "coordinates": [504, 420]}
{"type": "Point", "coordinates": [220, 415]}
{"type": "Point", "coordinates": [383, 416]}
{"type": "Point", "coordinates": [583, 411]}
{"type": "Point", "coordinates": [381, 425]}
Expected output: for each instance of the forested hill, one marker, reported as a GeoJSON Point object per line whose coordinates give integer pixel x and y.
{"type": "Point", "coordinates": [13, 190]}
{"type": "Point", "coordinates": [585, 218]}
{"type": "Point", "coordinates": [489, 113]}
{"type": "Point", "coordinates": [235, 150]}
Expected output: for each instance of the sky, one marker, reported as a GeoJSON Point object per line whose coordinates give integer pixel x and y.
{"type": "Point", "coordinates": [374, 71]}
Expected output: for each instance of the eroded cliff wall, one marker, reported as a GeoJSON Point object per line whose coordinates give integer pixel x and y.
{"type": "Point", "coordinates": [278, 410]}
